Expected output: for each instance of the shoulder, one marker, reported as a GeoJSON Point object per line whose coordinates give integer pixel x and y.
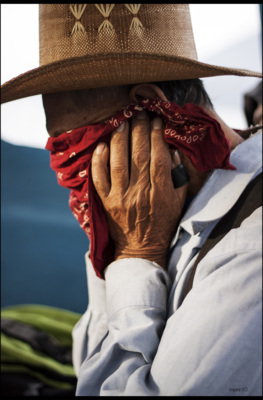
{"type": "Point", "coordinates": [237, 258]}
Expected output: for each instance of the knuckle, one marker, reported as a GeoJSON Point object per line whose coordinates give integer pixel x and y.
{"type": "Point", "coordinates": [118, 170]}
{"type": "Point", "coordinates": [100, 189]}
{"type": "Point", "coordinates": [160, 163]}
{"type": "Point", "coordinates": [160, 173]}
{"type": "Point", "coordinates": [141, 158]}
{"type": "Point", "coordinates": [96, 160]}
{"type": "Point", "coordinates": [97, 182]}
{"type": "Point", "coordinates": [97, 185]}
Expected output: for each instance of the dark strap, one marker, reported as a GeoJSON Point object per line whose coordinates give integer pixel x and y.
{"type": "Point", "coordinates": [249, 201]}
{"type": "Point", "coordinates": [245, 133]}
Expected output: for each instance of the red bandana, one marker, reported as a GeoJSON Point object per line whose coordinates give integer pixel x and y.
{"type": "Point", "coordinates": [187, 128]}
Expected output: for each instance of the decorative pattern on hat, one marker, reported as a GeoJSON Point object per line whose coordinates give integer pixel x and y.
{"type": "Point", "coordinates": [70, 47]}
{"type": "Point", "coordinates": [136, 23]}
{"type": "Point", "coordinates": [77, 11]}
{"type": "Point", "coordinates": [105, 10]}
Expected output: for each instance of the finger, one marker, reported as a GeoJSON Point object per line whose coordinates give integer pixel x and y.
{"type": "Point", "coordinates": [161, 162]}
{"type": "Point", "coordinates": [100, 170]}
{"type": "Point", "coordinates": [140, 148]}
{"type": "Point", "coordinates": [119, 158]}
{"type": "Point", "coordinates": [178, 173]}
{"type": "Point", "coordinates": [176, 160]}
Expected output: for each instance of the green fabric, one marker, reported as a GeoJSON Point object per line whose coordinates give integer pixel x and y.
{"type": "Point", "coordinates": [18, 356]}
{"type": "Point", "coordinates": [38, 375]}
{"type": "Point", "coordinates": [13, 350]}
{"type": "Point", "coordinates": [55, 321]}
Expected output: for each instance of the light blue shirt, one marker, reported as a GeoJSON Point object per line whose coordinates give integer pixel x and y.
{"type": "Point", "coordinates": [138, 338]}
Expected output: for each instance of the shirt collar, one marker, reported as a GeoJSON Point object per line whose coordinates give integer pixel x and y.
{"type": "Point", "coordinates": [223, 187]}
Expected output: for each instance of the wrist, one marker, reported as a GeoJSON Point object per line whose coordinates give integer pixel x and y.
{"type": "Point", "coordinates": [150, 255]}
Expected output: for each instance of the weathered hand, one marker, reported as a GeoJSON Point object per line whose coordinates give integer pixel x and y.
{"type": "Point", "coordinates": [141, 204]}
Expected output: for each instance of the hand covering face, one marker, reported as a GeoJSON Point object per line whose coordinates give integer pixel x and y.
{"type": "Point", "coordinates": [188, 128]}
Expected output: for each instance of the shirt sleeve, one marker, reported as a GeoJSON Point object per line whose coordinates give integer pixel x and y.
{"type": "Point", "coordinates": [211, 345]}
{"type": "Point", "coordinates": [92, 327]}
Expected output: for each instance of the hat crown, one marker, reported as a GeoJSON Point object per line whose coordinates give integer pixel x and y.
{"type": "Point", "coordinates": [86, 46]}
{"type": "Point", "coordinates": [76, 30]}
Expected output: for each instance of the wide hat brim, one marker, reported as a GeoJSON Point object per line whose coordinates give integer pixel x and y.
{"type": "Point", "coordinates": [102, 70]}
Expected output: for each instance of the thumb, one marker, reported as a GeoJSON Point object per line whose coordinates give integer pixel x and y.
{"type": "Point", "coordinates": [100, 170]}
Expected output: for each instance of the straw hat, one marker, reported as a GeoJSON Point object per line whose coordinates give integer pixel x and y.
{"type": "Point", "coordinates": [95, 45]}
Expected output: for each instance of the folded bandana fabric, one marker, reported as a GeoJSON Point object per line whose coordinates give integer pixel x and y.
{"type": "Point", "coordinates": [188, 128]}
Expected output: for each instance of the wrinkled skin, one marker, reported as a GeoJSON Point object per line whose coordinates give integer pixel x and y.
{"type": "Point", "coordinates": [142, 207]}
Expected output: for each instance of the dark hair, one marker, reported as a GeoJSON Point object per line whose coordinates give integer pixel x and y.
{"type": "Point", "coordinates": [185, 91]}
{"type": "Point", "coordinates": [180, 92]}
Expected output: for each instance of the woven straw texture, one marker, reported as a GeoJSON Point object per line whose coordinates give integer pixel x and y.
{"type": "Point", "coordinates": [96, 45]}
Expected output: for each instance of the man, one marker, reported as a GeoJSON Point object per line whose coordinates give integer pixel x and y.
{"type": "Point", "coordinates": [143, 334]}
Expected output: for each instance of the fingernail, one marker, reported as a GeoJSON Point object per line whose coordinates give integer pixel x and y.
{"type": "Point", "coordinates": [157, 123]}
{"type": "Point", "coordinates": [141, 115]}
{"type": "Point", "coordinates": [121, 127]}
{"type": "Point", "coordinates": [100, 148]}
